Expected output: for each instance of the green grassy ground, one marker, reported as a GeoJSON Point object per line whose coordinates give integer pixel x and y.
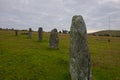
{"type": "Point", "coordinates": [28, 59]}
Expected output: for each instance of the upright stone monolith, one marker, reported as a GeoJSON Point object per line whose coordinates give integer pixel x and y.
{"type": "Point", "coordinates": [53, 41]}
{"type": "Point", "coordinates": [80, 63]}
{"type": "Point", "coordinates": [40, 30]}
{"type": "Point", "coordinates": [16, 32]}
{"type": "Point", "coordinates": [30, 33]}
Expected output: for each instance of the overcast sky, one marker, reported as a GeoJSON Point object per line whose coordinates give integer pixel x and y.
{"type": "Point", "coordinates": [49, 14]}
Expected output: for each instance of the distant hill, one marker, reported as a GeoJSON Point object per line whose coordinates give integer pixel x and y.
{"type": "Point", "coordinates": [113, 33]}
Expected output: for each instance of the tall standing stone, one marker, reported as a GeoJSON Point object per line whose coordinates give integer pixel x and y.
{"type": "Point", "coordinates": [16, 32]}
{"type": "Point", "coordinates": [80, 63]}
{"type": "Point", "coordinates": [30, 33]}
{"type": "Point", "coordinates": [53, 41]}
{"type": "Point", "coordinates": [40, 30]}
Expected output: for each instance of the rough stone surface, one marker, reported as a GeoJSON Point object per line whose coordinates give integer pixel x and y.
{"type": "Point", "coordinates": [40, 30]}
{"type": "Point", "coordinates": [30, 33]}
{"type": "Point", "coordinates": [80, 64]}
{"type": "Point", "coordinates": [53, 41]}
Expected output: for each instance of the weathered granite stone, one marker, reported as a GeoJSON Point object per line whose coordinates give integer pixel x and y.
{"type": "Point", "coordinates": [53, 41]}
{"type": "Point", "coordinates": [30, 33]}
{"type": "Point", "coordinates": [40, 30]}
{"type": "Point", "coordinates": [16, 32]}
{"type": "Point", "coordinates": [80, 63]}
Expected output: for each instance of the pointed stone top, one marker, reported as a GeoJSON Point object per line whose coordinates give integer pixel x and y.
{"type": "Point", "coordinates": [40, 29]}
{"type": "Point", "coordinates": [78, 23]}
{"type": "Point", "coordinates": [54, 30]}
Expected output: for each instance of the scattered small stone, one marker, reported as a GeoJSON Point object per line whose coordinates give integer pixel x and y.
{"type": "Point", "coordinates": [30, 33]}
{"type": "Point", "coordinates": [16, 32]}
{"type": "Point", "coordinates": [40, 30]}
{"type": "Point", "coordinates": [53, 41]}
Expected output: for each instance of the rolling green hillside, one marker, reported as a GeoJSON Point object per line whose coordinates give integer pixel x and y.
{"type": "Point", "coordinates": [28, 59]}
{"type": "Point", "coordinates": [113, 33]}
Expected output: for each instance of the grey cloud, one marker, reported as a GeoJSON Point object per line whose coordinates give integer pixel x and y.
{"type": "Point", "coordinates": [58, 13]}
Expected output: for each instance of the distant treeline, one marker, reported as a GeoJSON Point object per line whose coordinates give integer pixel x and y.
{"type": "Point", "coordinates": [24, 33]}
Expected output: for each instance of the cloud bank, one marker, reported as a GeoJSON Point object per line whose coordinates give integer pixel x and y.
{"type": "Point", "coordinates": [49, 14]}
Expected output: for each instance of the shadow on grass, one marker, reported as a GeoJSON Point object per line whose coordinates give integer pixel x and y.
{"type": "Point", "coordinates": [67, 76]}
{"type": "Point", "coordinates": [52, 49]}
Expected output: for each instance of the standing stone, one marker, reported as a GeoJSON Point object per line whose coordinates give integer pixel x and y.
{"type": "Point", "coordinates": [80, 64]}
{"type": "Point", "coordinates": [40, 30]}
{"type": "Point", "coordinates": [30, 33]}
{"type": "Point", "coordinates": [16, 32]}
{"type": "Point", "coordinates": [53, 41]}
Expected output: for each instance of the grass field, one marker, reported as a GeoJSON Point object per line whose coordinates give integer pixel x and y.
{"type": "Point", "coordinates": [28, 59]}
